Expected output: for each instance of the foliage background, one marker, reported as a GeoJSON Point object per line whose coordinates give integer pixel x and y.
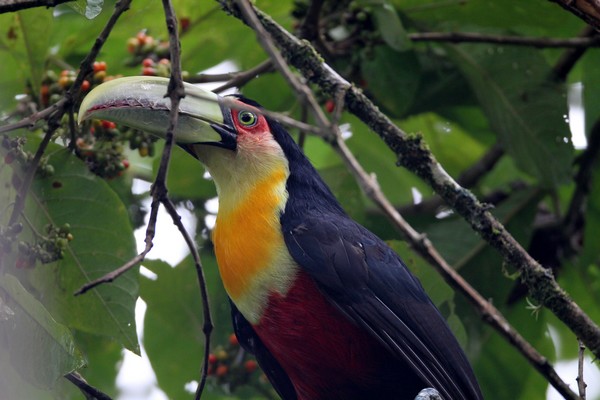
{"type": "Point", "coordinates": [463, 99]}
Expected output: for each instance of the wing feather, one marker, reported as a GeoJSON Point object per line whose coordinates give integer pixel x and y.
{"type": "Point", "coordinates": [369, 283]}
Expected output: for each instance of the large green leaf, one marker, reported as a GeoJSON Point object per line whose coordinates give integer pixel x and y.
{"type": "Point", "coordinates": [173, 336]}
{"type": "Point", "coordinates": [392, 77]}
{"type": "Point", "coordinates": [41, 349]}
{"type": "Point", "coordinates": [524, 108]}
{"type": "Point", "coordinates": [103, 240]}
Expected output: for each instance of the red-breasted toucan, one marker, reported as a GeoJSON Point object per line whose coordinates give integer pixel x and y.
{"type": "Point", "coordinates": [328, 309]}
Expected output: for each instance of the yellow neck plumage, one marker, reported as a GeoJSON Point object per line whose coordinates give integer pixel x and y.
{"type": "Point", "coordinates": [251, 253]}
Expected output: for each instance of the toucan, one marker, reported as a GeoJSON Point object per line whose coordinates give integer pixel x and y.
{"type": "Point", "coordinates": [328, 309]}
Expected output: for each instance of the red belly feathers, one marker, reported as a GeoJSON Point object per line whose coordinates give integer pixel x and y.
{"type": "Point", "coordinates": [325, 355]}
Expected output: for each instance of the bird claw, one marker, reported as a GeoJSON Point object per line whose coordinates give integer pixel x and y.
{"type": "Point", "coordinates": [428, 394]}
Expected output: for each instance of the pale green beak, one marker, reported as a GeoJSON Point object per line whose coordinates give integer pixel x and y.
{"type": "Point", "coordinates": [139, 102]}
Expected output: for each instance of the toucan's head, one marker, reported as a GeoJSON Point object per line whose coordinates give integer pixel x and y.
{"type": "Point", "coordinates": [228, 135]}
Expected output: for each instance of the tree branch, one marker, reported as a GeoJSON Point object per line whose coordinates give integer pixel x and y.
{"type": "Point", "coordinates": [88, 390]}
{"type": "Point", "coordinates": [425, 249]}
{"type": "Point", "coordinates": [414, 155]}
{"type": "Point", "coordinates": [16, 5]}
{"type": "Point", "coordinates": [587, 10]}
{"type": "Point", "coordinates": [469, 37]}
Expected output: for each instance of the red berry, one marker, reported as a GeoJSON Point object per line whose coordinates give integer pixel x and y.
{"type": "Point", "coordinates": [85, 85]}
{"type": "Point", "coordinates": [212, 358]}
{"type": "Point", "coordinates": [233, 340]}
{"type": "Point", "coordinates": [250, 366]}
{"type": "Point", "coordinates": [185, 23]}
{"type": "Point", "coordinates": [126, 165]}
{"type": "Point", "coordinates": [108, 124]}
{"type": "Point", "coordinates": [221, 370]}
{"type": "Point", "coordinates": [99, 66]}
{"type": "Point", "coordinates": [329, 106]}
{"type": "Point", "coordinates": [148, 71]}
{"type": "Point", "coordinates": [164, 61]}
{"type": "Point", "coordinates": [148, 62]}
{"type": "Point", "coordinates": [64, 72]}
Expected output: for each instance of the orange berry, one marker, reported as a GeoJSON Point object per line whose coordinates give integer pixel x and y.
{"type": "Point", "coordinates": [64, 81]}
{"type": "Point", "coordinates": [64, 72]}
{"type": "Point", "coordinates": [132, 44]}
{"type": "Point", "coordinates": [99, 66]}
{"type": "Point", "coordinates": [233, 340]}
{"type": "Point", "coordinates": [148, 40]}
{"type": "Point", "coordinates": [85, 85]}
{"type": "Point", "coordinates": [164, 61]}
{"type": "Point", "coordinates": [141, 38]}
{"type": "Point", "coordinates": [221, 370]}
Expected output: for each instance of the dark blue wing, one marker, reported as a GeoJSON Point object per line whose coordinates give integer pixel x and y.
{"type": "Point", "coordinates": [368, 282]}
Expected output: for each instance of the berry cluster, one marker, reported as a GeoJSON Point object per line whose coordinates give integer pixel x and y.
{"type": "Point", "coordinates": [230, 367]}
{"type": "Point", "coordinates": [54, 86]}
{"type": "Point", "coordinates": [47, 248]}
{"type": "Point", "coordinates": [17, 153]}
{"type": "Point", "coordinates": [102, 150]}
{"type": "Point", "coordinates": [143, 46]}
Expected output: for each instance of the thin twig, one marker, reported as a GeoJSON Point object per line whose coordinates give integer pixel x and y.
{"type": "Point", "coordinates": [583, 10]}
{"type": "Point", "coordinates": [581, 385]}
{"type": "Point", "coordinates": [268, 45]}
{"type": "Point", "coordinates": [208, 324]}
{"type": "Point", "coordinates": [30, 121]}
{"type": "Point", "coordinates": [88, 390]}
{"type": "Point", "coordinates": [569, 58]}
{"type": "Point", "coordinates": [471, 37]}
{"type": "Point", "coordinates": [176, 92]}
{"type": "Point", "coordinates": [16, 5]}
{"type": "Point", "coordinates": [414, 155]}
{"type": "Point", "coordinates": [233, 79]}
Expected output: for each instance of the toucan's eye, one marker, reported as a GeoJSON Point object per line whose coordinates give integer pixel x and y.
{"type": "Point", "coordinates": [247, 119]}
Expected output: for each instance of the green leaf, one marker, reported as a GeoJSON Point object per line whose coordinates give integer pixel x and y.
{"type": "Point", "coordinates": [41, 350]}
{"type": "Point", "coordinates": [390, 26]}
{"type": "Point", "coordinates": [524, 108]}
{"type": "Point", "coordinates": [591, 89]}
{"type": "Point", "coordinates": [391, 77]}
{"type": "Point", "coordinates": [90, 8]}
{"type": "Point", "coordinates": [173, 336]}
{"type": "Point", "coordinates": [346, 190]}
{"type": "Point", "coordinates": [103, 240]}
{"type": "Point", "coordinates": [25, 37]}
{"type": "Point", "coordinates": [185, 178]}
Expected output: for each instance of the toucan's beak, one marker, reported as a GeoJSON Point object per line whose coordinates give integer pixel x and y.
{"type": "Point", "coordinates": [139, 102]}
